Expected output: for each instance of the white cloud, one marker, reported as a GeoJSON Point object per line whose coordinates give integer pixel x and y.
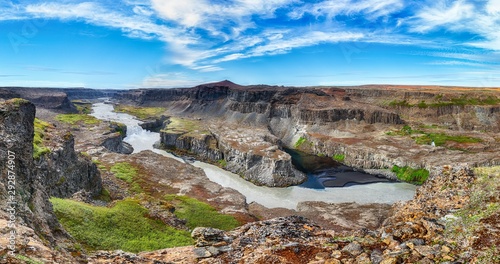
{"type": "Point", "coordinates": [441, 14]}
{"type": "Point", "coordinates": [493, 7]}
{"type": "Point", "coordinates": [285, 44]}
{"type": "Point", "coordinates": [482, 19]}
{"type": "Point", "coordinates": [331, 8]}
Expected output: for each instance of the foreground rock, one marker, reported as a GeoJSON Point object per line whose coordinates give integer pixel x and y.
{"type": "Point", "coordinates": [60, 173]}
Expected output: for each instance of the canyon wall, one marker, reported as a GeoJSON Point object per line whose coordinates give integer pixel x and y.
{"type": "Point", "coordinates": [60, 173]}
{"type": "Point", "coordinates": [354, 122]}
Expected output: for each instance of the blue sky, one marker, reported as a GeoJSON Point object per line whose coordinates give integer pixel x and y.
{"type": "Point", "coordinates": [182, 43]}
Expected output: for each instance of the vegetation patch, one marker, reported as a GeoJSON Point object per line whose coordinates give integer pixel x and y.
{"type": "Point", "coordinates": [124, 226]}
{"type": "Point", "coordinates": [82, 107]}
{"type": "Point", "coordinates": [118, 127]}
{"type": "Point", "coordinates": [74, 119]}
{"type": "Point", "coordinates": [104, 195]}
{"type": "Point", "coordinates": [198, 213]}
{"type": "Point", "coordinates": [28, 260]}
{"type": "Point", "coordinates": [463, 100]}
{"type": "Point", "coordinates": [222, 162]}
{"type": "Point", "coordinates": [40, 127]}
{"type": "Point", "coordinates": [441, 138]}
{"type": "Point", "coordinates": [127, 172]}
{"type": "Point", "coordinates": [411, 175]}
{"type": "Point", "coordinates": [16, 102]}
{"type": "Point", "coordinates": [339, 157]}
{"type": "Point", "coordinates": [141, 112]}
{"type": "Point", "coordinates": [182, 125]}
{"type": "Point", "coordinates": [470, 224]}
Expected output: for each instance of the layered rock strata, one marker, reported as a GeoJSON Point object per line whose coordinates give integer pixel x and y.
{"type": "Point", "coordinates": [60, 173]}
{"type": "Point", "coordinates": [253, 155]}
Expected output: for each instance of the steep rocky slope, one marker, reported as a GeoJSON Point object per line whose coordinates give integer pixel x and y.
{"type": "Point", "coordinates": [29, 183]}
{"type": "Point", "coordinates": [371, 128]}
{"type": "Point", "coordinates": [452, 219]}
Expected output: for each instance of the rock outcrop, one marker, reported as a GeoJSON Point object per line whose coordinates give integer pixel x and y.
{"type": "Point", "coordinates": [26, 185]}
{"type": "Point", "coordinates": [349, 121]}
{"type": "Point", "coordinates": [154, 125]}
{"type": "Point", "coordinates": [253, 155]}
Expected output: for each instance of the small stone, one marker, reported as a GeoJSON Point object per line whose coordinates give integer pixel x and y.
{"type": "Point", "coordinates": [332, 261]}
{"type": "Point", "coordinates": [336, 254]}
{"type": "Point", "coordinates": [322, 256]}
{"type": "Point", "coordinates": [376, 256]}
{"type": "Point", "coordinates": [201, 253]}
{"type": "Point", "coordinates": [353, 249]}
{"type": "Point", "coordinates": [363, 259]}
{"type": "Point", "coordinates": [389, 261]}
{"type": "Point", "coordinates": [445, 249]}
{"type": "Point", "coordinates": [425, 251]}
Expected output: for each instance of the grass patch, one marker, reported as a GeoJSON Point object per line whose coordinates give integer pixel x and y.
{"type": "Point", "coordinates": [198, 213]}
{"type": "Point", "coordinates": [83, 108]}
{"type": "Point", "coordinates": [222, 163]}
{"type": "Point", "coordinates": [339, 157]}
{"type": "Point", "coordinates": [484, 203]}
{"type": "Point", "coordinates": [426, 138]}
{"type": "Point", "coordinates": [124, 226]}
{"type": "Point", "coordinates": [181, 125]}
{"type": "Point", "coordinates": [441, 138]}
{"type": "Point", "coordinates": [141, 112]}
{"type": "Point", "coordinates": [411, 175]}
{"type": "Point", "coordinates": [300, 142]}
{"type": "Point", "coordinates": [74, 119]}
{"type": "Point", "coordinates": [40, 128]}
{"type": "Point", "coordinates": [104, 195]}
{"type": "Point", "coordinates": [463, 100]}
{"type": "Point", "coordinates": [118, 127]}
{"type": "Point", "coordinates": [125, 171]}
{"type": "Point", "coordinates": [28, 260]}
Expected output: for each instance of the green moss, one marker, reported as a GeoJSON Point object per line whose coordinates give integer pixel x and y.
{"type": "Point", "coordinates": [141, 112]}
{"type": "Point", "coordinates": [73, 119]}
{"type": "Point", "coordinates": [198, 213]}
{"type": "Point", "coordinates": [124, 226]}
{"type": "Point", "coordinates": [483, 203]}
{"type": "Point", "coordinates": [411, 175]}
{"type": "Point", "coordinates": [125, 171]}
{"type": "Point", "coordinates": [339, 157]}
{"type": "Point", "coordinates": [422, 105]}
{"type": "Point", "coordinates": [119, 127]}
{"type": "Point", "coordinates": [61, 181]}
{"type": "Point", "coordinates": [222, 162]}
{"type": "Point", "coordinates": [40, 129]}
{"type": "Point", "coordinates": [16, 102]}
{"type": "Point", "coordinates": [441, 138]}
{"type": "Point", "coordinates": [299, 142]}
{"type": "Point", "coordinates": [104, 195]}
{"type": "Point", "coordinates": [182, 125]}
{"type": "Point", "coordinates": [28, 260]}
{"type": "Point", "coordinates": [82, 107]}
{"type": "Point", "coordinates": [400, 103]}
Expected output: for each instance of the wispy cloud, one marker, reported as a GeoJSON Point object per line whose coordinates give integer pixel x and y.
{"type": "Point", "coordinates": [479, 18]}
{"type": "Point", "coordinates": [202, 35]}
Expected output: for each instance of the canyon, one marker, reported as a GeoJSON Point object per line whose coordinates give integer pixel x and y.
{"type": "Point", "coordinates": [446, 131]}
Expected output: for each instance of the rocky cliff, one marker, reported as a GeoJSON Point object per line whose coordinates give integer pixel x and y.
{"type": "Point", "coordinates": [29, 183]}
{"type": "Point", "coordinates": [357, 123]}
{"type": "Point", "coordinates": [253, 155]}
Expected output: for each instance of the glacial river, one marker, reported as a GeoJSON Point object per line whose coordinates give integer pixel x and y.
{"type": "Point", "coordinates": [383, 192]}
